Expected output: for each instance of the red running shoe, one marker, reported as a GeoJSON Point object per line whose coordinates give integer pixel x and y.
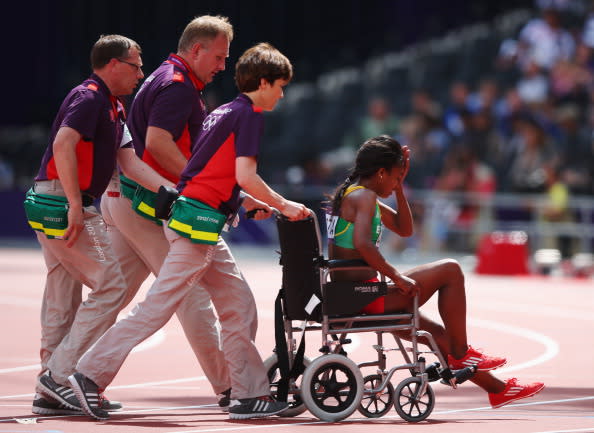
{"type": "Point", "coordinates": [514, 391]}
{"type": "Point", "coordinates": [474, 357]}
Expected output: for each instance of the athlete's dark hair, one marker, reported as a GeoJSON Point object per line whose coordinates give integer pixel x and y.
{"type": "Point", "coordinates": [111, 47]}
{"type": "Point", "coordinates": [261, 61]}
{"type": "Point", "coordinates": [375, 153]}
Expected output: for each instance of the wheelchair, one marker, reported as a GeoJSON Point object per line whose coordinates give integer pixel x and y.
{"type": "Point", "coordinates": [332, 386]}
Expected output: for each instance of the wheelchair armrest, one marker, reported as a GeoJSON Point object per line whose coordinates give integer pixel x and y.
{"type": "Point", "coordinates": [348, 263]}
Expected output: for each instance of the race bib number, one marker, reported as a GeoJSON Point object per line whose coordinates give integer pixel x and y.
{"type": "Point", "coordinates": [331, 221]}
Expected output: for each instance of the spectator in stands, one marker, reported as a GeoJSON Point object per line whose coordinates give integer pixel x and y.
{"type": "Point", "coordinates": [543, 40]}
{"type": "Point", "coordinates": [557, 210]}
{"type": "Point", "coordinates": [533, 86]}
{"type": "Point", "coordinates": [486, 97]}
{"type": "Point", "coordinates": [535, 153]}
{"type": "Point", "coordinates": [576, 156]}
{"type": "Point", "coordinates": [378, 120]}
{"type": "Point", "coordinates": [452, 117]}
{"type": "Point", "coordinates": [512, 107]}
{"type": "Point", "coordinates": [422, 103]}
{"type": "Point", "coordinates": [465, 174]}
{"type": "Point", "coordinates": [570, 81]}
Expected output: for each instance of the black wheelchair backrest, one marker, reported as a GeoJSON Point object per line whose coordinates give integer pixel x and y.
{"type": "Point", "coordinates": [301, 256]}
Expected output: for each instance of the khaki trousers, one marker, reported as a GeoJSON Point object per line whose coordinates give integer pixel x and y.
{"type": "Point", "coordinates": [69, 326]}
{"type": "Point", "coordinates": [189, 267]}
{"type": "Point", "coordinates": [142, 247]}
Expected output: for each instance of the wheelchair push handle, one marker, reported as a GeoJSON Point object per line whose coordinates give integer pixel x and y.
{"type": "Point", "coordinates": [252, 213]}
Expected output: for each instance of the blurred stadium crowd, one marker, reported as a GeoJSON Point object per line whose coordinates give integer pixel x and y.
{"type": "Point", "coordinates": [498, 107]}
{"type": "Point", "coordinates": [506, 106]}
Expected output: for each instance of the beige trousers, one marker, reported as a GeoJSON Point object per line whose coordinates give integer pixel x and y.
{"type": "Point", "coordinates": [69, 326]}
{"type": "Point", "coordinates": [189, 267]}
{"type": "Point", "coordinates": [141, 247]}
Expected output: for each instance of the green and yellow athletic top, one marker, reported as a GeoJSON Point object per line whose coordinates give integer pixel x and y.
{"type": "Point", "coordinates": [341, 231]}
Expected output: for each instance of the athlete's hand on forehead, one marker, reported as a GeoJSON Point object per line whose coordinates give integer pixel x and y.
{"type": "Point", "coordinates": [406, 166]}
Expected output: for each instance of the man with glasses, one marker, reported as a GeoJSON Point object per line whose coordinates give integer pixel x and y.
{"type": "Point", "coordinates": [86, 140]}
{"type": "Point", "coordinates": [165, 120]}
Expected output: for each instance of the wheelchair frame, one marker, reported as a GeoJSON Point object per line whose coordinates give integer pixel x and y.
{"type": "Point", "coordinates": [413, 398]}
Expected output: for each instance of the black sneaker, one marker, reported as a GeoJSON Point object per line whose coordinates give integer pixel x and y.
{"type": "Point", "coordinates": [225, 400]}
{"type": "Point", "coordinates": [46, 406]}
{"type": "Point", "coordinates": [58, 392]}
{"type": "Point", "coordinates": [257, 407]}
{"type": "Point", "coordinates": [87, 392]}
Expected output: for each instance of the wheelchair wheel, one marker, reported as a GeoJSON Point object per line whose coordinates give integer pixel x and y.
{"type": "Point", "coordinates": [332, 387]}
{"type": "Point", "coordinates": [377, 404]}
{"type": "Point", "coordinates": [296, 406]}
{"type": "Point", "coordinates": [410, 406]}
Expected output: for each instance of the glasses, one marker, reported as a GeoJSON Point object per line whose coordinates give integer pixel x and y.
{"type": "Point", "coordinates": [138, 67]}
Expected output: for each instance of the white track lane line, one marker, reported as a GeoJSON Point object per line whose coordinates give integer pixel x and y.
{"type": "Point", "coordinates": [589, 429]}
{"type": "Point", "coordinates": [244, 427]}
{"type": "Point", "coordinates": [551, 346]}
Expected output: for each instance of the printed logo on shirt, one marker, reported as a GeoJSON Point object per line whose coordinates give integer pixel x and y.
{"type": "Point", "coordinates": [93, 86]}
{"type": "Point", "coordinates": [178, 77]}
{"type": "Point", "coordinates": [213, 117]}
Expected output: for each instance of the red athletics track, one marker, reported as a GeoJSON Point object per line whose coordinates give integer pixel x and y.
{"type": "Point", "coordinates": [543, 325]}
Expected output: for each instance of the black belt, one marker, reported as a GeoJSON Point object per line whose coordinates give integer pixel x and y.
{"type": "Point", "coordinates": [87, 200]}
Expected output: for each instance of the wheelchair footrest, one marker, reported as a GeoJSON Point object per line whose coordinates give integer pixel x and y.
{"type": "Point", "coordinates": [458, 376]}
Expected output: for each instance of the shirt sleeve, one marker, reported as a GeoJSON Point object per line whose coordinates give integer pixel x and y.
{"type": "Point", "coordinates": [171, 109]}
{"type": "Point", "coordinates": [82, 114]}
{"type": "Point", "coordinates": [249, 133]}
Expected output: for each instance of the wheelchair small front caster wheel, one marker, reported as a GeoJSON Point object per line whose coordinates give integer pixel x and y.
{"type": "Point", "coordinates": [332, 387]}
{"type": "Point", "coordinates": [411, 406]}
{"type": "Point", "coordinates": [376, 404]}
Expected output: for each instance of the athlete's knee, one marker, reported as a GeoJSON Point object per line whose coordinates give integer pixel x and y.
{"type": "Point", "coordinates": [452, 269]}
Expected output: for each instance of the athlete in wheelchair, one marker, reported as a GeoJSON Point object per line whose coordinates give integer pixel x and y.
{"type": "Point", "coordinates": [343, 295]}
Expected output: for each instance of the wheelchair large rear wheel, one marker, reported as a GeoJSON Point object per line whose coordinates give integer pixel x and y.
{"type": "Point", "coordinates": [296, 406]}
{"type": "Point", "coordinates": [375, 405]}
{"type": "Point", "coordinates": [411, 406]}
{"type": "Point", "coordinates": [332, 387]}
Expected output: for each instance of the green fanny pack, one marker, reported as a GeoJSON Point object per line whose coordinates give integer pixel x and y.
{"type": "Point", "coordinates": [127, 187]}
{"type": "Point", "coordinates": [47, 213]}
{"type": "Point", "coordinates": [200, 223]}
{"type": "Point", "coordinates": [143, 200]}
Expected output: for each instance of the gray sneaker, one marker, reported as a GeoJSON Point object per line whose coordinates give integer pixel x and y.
{"type": "Point", "coordinates": [43, 405]}
{"type": "Point", "coordinates": [256, 407]}
{"type": "Point", "coordinates": [58, 392]}
{"type": "Point", "coordinates": [87, 392]}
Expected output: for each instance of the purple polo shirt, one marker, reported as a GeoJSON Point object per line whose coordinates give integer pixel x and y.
{"type": "Point", "coordinates": [234, 129]}
{"type": "Point", "coordinates": [99, 117]}
{"type": "Point", "coordinates": [170, 99]}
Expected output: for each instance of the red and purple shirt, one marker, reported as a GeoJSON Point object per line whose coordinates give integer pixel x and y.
{"type": "Point", "coordinates": [170, 99]}
{"type": "Point", "coordinates": [232, 130]}
{"type": "Point", "coordinates": [99, 117]}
